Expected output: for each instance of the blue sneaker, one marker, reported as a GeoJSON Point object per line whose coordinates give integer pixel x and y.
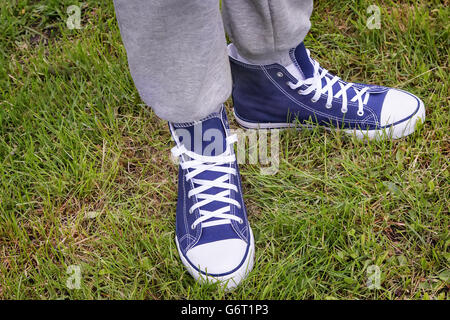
{"type": "Point", "coordinates": [305, 94]}
{"type": "Point", "coordinates": [213, 236]}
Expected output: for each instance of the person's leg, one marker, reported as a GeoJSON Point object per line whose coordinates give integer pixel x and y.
{"type": "Point", "coordinates": [264, 31]}
{"type": "Point", "coordinates": [177, 55]}
{"type": "Point", "coordinates": [276, 84]}
{"type": "Point", "coordinates": [178, 60]}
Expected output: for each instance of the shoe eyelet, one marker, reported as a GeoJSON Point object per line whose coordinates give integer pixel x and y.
{"type": "Point", "coordinates": [300, 92]}
{"type": "Point", "coordinates": [241, 221]}
{"type": "Point", "coordinates": [360, 113]}
{"type": "Point", "coordinates": [328, 106]}
{"type": "Point", "coordinates": [280, 74]}
{"type": "Point", "coordinates": [344, 110]}
{"type": "Point", "coordinates": [192, 227]}
{"type": "Point", "coordinates": [313, 100]}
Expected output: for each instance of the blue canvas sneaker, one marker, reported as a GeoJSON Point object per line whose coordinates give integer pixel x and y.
{"type": "Point", "coordinates": [213, 235]}
{"type": "Point", "coordinates": [304, 94]}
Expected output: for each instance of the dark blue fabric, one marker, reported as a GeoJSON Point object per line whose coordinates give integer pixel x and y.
{"type": "Point", "coordinates": [303, 62]}
{"type": "Point", "coordinates": [261, 96]}
{"type": "Point", "coordinates": [200, 143]}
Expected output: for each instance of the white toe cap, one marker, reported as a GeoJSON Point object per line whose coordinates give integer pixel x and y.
{"type": "Point", "coordinates": [218, 257]}
{"type": "Point", "coordinates": [398, 105]}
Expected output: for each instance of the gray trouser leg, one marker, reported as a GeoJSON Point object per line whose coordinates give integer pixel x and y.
{"type": "Point", "coordinates": [177, 51]}
{"type": "Point", "coordinates": [264, 31]}
{"type": "Point", "coordinates": [177, 55]}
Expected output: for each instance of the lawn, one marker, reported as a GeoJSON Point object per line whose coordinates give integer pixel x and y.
{"type": "Point", "coordinates": [88, 190]}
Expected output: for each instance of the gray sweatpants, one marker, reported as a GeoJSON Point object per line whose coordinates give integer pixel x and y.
{"type": "Point", "coordinates": [177, 50]}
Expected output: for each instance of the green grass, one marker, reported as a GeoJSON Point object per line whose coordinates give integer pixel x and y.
{"type": "Point", "coordinates": [86, 179]}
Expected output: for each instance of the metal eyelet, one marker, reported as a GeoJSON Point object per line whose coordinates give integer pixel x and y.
{"type": "Point", "coordinates": [192, 227]}
{"type": "Point", "coordinates": [344, 110]}
{"type": "Point", "coordinates": [241, 221]}
{"type": "Point", "coordinates": [360, 113]}
{"type": "Point", "coordinates": [280, 74]}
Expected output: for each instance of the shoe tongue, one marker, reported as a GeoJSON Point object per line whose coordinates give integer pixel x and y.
{"type": "Point", "coordinates": [303, 61]}
{"type": "Point", "coordinates": [207, 137]}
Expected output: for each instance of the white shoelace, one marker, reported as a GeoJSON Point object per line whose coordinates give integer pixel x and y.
{"type": "Point", "coordinates": [315, 84]}
{"type": "Point", "coordinates": [196, 164]}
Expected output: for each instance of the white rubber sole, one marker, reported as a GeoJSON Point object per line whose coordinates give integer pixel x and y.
{"type": "Point", "coordinates": [229, 281]}
{"type": "Point", "coordinates": [397, 131]}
